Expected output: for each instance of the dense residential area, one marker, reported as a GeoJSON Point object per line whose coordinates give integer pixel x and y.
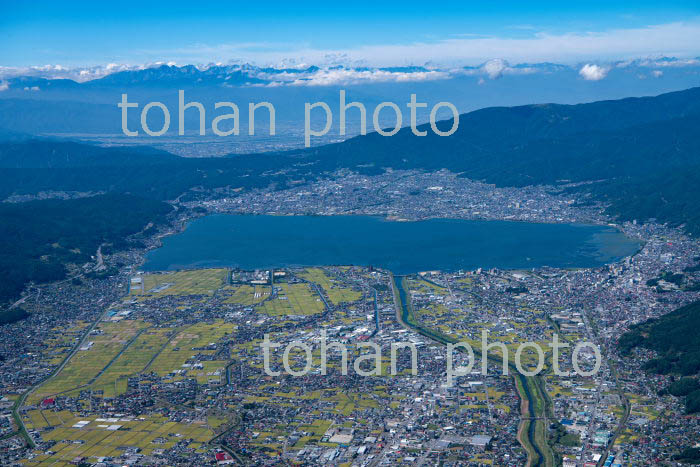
{"type": "Point", "coordinates": [319, 234]}
{"type": "Point", "coordinates": [147, 367]}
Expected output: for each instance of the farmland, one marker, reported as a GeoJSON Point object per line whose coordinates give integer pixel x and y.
{"type": "Point", "coordinates": [195, 282]}
{"type": "Point", "coordinates": [111, 437]}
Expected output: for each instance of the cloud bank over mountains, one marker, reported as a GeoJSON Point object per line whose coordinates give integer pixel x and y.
{"type": "Point", "coordinates": [591, 54]}
{"type": "Point", "coordinates": [286, 74]}
{"type": "Point", "coordinates": [679, 39]}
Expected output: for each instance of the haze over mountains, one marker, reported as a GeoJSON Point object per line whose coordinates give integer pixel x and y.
{"type": "Point", "coordinates": [338, 73]}
{"type": "Point", "coordinates": [642, 153]}
{"type": "Point", "coordinates": [45, 101]}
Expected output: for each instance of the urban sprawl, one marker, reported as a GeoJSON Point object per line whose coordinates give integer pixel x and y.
{"type": "Point", "coordinates": [118, 366]}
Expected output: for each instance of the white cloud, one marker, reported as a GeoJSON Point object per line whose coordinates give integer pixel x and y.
{"type": "Point", "coordinates": [618, 47]}
{"type": "Point", "coordinates": [304, 74]}
{"type": "Point", "coordinates": [4, 86]}
{"type": "Point", "coordinates": [345, 76]}
{"type": "Point", "coordinates": [680, 39]}
{"type": "Point", "coordinates": [593, 72]}
{"type": "Point", "coordinates": [80, 74]}
{"type": "Point", "coordinates": [293, 73]}
{"type": "Point", "coordinates": [495, 68]}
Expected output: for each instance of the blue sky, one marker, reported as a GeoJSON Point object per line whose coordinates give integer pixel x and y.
{"type": "Point", "coordinates": [386, 32]}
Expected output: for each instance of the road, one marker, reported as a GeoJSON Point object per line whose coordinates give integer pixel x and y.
{"type": "Point", "coordinates": [543, 454]}
{"type": "Point", "coordinates": [20, 402]}
{"type": "Point", "coordinates": [98, 267]}
{"type": "Point", "coordinates": [592, 336]}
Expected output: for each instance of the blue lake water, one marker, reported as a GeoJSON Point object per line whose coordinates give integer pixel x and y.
{"type": "Point", "coordinates": [255, 242]}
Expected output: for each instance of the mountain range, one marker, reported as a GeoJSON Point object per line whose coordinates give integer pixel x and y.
{"type": "Point", "coordinates": [63, 101]}
{"type": "Point", "coordinates": [639, 156]}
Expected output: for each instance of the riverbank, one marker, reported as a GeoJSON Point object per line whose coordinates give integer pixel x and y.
{"type": "Point", "coordinates": [532, 429]}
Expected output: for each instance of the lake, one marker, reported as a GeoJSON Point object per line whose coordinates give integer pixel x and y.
{"type": "Point", "coordinates": [257, 242]}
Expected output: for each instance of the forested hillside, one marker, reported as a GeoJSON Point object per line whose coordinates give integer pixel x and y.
{"type": "Point", "coordinates": [678, 349]}
{"type": "Point", "coordinates": [38, 238]}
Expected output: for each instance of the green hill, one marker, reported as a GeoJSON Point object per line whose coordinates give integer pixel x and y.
{"type": "Point", "coordinates": [668, 335]}
{"type": "Point", "coordinates": [38, 238]}
{"type": "Point", "coordinates": [678, 350]}
{"type": "Point", "coordinates": [642, 155]}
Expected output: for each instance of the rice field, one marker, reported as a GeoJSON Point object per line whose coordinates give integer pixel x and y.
{"type": "Point", "coordinates": [128, 347]}
{"type": "Point", "coordinates": [182, 346]}
{"type": "Point", "coordinates": [62, 341]}
{"type": "Point", "coordinates": [293, 299]}
{"type": "Point", "coordinates": [336, 293]}
{"type": "Point", "coordinates": [100, 347]}
{"type": "Point", "coordinates": [246, 294]}
{"type": "Point", "coordinates": [103, 437]}
{"type": "Point", "coordinates": [133, 360]}
{"type": "Point", "coordinates": [191, 282]}
{"type": "Point", "coordinates": [118, 349]}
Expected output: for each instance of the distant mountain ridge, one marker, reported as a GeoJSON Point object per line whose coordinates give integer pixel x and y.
{"type": "Point", "coordinates": [247, 73]}
{"type": "Point", "coordinates": [643, 154]}
{"type": "Point", "coordinates": [537, 144]}
{"type": "Point", "coordinates": [55, 100]}
{"type": "Point", "coordinates": [48, 154]}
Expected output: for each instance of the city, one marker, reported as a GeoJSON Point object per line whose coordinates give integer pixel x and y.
{"type": "Point", "coordinates": [166, 368]}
